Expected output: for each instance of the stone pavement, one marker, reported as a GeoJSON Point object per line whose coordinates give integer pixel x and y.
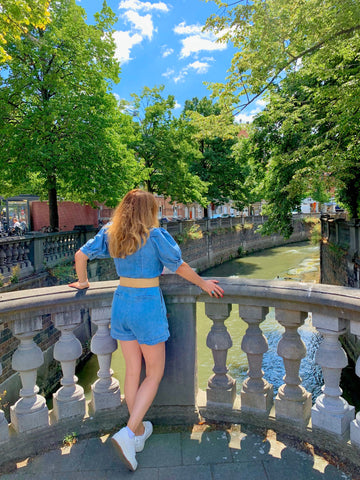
{"type": "Point", "coordinates": [200, 453]}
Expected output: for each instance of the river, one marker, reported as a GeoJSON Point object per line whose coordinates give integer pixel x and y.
{"type": "Point", "coordinates": [299, 262]}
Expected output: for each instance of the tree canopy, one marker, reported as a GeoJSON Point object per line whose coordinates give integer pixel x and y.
{"type": "Point", "coordinates": [16, 16]}
{"type": "Point", "coordinates": [221, 163]}
{"type": "Point", "coordinates": [165, 148]}
{"type": "Point", "coordinates": [61, 131]}
{"type": "Point", "coordinates": [304, 57]}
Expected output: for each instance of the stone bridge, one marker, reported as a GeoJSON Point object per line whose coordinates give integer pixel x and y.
{"type": "Point", "coordinates": [329, 423]}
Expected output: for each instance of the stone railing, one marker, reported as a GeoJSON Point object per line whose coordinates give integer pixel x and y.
{"type": "Point", "coordinates": [330, 422]}
{"type": "Point", "coordinates": [35, 252]}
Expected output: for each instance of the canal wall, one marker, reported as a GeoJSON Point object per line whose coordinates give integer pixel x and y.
{"type": "Point", "coordinates": [340, 263]}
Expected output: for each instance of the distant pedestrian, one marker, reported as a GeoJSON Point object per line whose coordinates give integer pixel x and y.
{"type": "Point", "coordinates": [138, 320]}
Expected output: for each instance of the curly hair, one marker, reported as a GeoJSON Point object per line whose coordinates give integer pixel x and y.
{"type": "Point", "coordinates": [132, 220]}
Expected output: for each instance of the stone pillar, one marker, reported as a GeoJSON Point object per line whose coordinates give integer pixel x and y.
{"type": "Point", "coordinates": [331, 412]}
{"type": "Point", "coordinates": [4, 427]}
{"type": "Point", "coordinates": [221, 386]}
{"type": "Point", "coordinates": [292, 402]}
{"type": "Point", "coordinates": [355, 424]}
{"type": "Point", "coordinates": [30, 411]}
{"type": "Point", "coordinates": [106, 390]}
{"type": "Point", "coordinates": [256, 392]}
{"type": "Point", "coordinates": [69, 400]}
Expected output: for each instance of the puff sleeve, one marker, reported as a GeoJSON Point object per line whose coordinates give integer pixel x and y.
{"type": "Point", "coordinates": [97, 247]}
{"type": "Point", "coordinates": [168, 250]}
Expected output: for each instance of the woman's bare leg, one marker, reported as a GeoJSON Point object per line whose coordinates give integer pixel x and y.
{"type": "Point", "coordinates": [154, 356]}
{"type": "Point", "coordinates": [133, 359]}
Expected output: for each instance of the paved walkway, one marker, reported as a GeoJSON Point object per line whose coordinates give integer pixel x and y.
{"type": "Point", "coordinates": [200, 454]}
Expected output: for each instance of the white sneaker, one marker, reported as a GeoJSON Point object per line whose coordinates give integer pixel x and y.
{"type": "Point", "coordinates": [141, 439]}
{"type": "Point", "coordinates": [126, 448]}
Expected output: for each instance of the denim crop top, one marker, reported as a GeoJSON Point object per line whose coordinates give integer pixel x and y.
{"type": "Point", "coordinates": [159, 251]}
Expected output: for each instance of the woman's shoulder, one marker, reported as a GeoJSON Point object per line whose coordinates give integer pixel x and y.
{"type": "Point", "coordinates": [159, 234]}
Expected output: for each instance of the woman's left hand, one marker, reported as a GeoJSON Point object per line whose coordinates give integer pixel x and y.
{"type": "Point", "coordinates": [212, 288]}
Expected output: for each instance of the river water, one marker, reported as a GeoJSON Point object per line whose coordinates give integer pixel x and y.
{"type": "Point", "coordinates": [299, 262]}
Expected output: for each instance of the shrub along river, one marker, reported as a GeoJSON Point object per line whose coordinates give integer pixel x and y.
{"type": "Point", "coordinates": [297, 262]}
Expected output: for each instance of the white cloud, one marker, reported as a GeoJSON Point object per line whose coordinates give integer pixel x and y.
{"type": "Point", "coordinates": [167, 51]}
{"type": "Point", "coordinates": [124, 43]}
{"type": "Point", "coordinates": [196, 40]}
{"type": "Point", "coordinates": [183, 29]}
{"type": "Point", "coordinates": [144, 6]}
{"type": "Point", "coordinates": [198, 43]}
{"type": "Point", "coordinates": [177, 105]}
{"type": "Point", "coordinates": [244, 118]}
{"type": "Point", "coordinates": [169, 73]}
{"type": "Point", "coordinates": [199, 67]}
{"type": "Point", "coordinates": [143, 24]}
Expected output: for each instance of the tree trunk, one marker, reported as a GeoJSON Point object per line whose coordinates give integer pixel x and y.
{"type": "Point", "coordinates": [53, 206]}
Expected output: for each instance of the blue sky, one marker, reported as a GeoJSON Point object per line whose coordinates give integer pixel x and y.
{"type": "Point", "coordinates": [162, 43]}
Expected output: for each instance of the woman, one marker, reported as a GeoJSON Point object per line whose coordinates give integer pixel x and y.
{"type": "Point", "coordinates": [138, 320]}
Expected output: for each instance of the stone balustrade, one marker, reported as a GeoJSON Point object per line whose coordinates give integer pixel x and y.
{"type": "Point", "coordinates": [35, 252]}
{"type": "Point", "coordinates": [330, 421]}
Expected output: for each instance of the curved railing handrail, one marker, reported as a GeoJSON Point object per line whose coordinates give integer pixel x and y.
{"type": "Point", "coordinates": [275, 293]}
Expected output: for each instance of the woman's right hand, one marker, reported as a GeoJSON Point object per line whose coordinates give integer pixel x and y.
{"type": "Point", "coordinates": [212, 288]}
{"type": "Point", "coordinates": [80, 286]}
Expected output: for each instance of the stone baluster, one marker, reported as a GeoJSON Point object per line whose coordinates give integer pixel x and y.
{"type": "Point", "coordinates": [331, 412]}
{"type": "Point", "coordinates": [15, 254]}
{"type": "Point", "coordinates": [8, 258]}
{"type": "Point", "coordinates": [27, 252]}
{"type": "Point", "coordinates": [30, 411]}
{"type": "Point", "coordinates": [221, 386]}
{"type": "Point", "coordinates": [256, 393]}
{"type": "Point", "coordinates": [69, 400]}
{"type": "Point", "coordinates": [355, 424]}
{"type": "Point", "coordinates": [106, 390]}
{"type": "Point", "coordinates": [4, 427]}
{"type": "Point", "coordinates": [292, 402]}
{"type": "Point", "coordinates": [2, 259]}
{"type": "Point", "coordinates": [21, 252]}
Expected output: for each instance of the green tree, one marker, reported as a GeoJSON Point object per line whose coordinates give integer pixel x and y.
{"type": "Point", "coordinates": [165, 148]}
{"type": "Point", "coordinates": [306, 142]}
{"type": "Point", "coordinates": [15, 18]}
{"type": "Point", "coordinates": [222, 164]}
{"type": "Point", "coordinates": [61, 131]}
{"type": "Point", "coordinates": [273, 37]}
{"type": "Point", "coordinates": [304, 56]}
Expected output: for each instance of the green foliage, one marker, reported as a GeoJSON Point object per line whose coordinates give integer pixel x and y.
{"type": "Point", "coordinates": [165, 148]}
{"type": "Point", "coordinates": [3, 404]}
{"type": "Point", "coordinates": [193, 232]}
{"type": "Point", "coordinates": [61, 131]}
{"type": "Point", "coordinates": [15, 274]}
{"type": "Point", "coordinates": [16, 16]}
{"type": "Point", "coordinates": [64, 273]}
{"type": "Point", "coordinates": [2, 280]}
{"type": "Point", "coordinates": [315, 234]}
{"type": "Point", "coordinates": [70, 439]}
{"type": "Point", "coordinates": [305, 142]}
{"type": "Point", "coordinates": [221, 161]}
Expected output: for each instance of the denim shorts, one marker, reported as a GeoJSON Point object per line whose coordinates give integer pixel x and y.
{"type": "Point", "coordinates": [139, 314]}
